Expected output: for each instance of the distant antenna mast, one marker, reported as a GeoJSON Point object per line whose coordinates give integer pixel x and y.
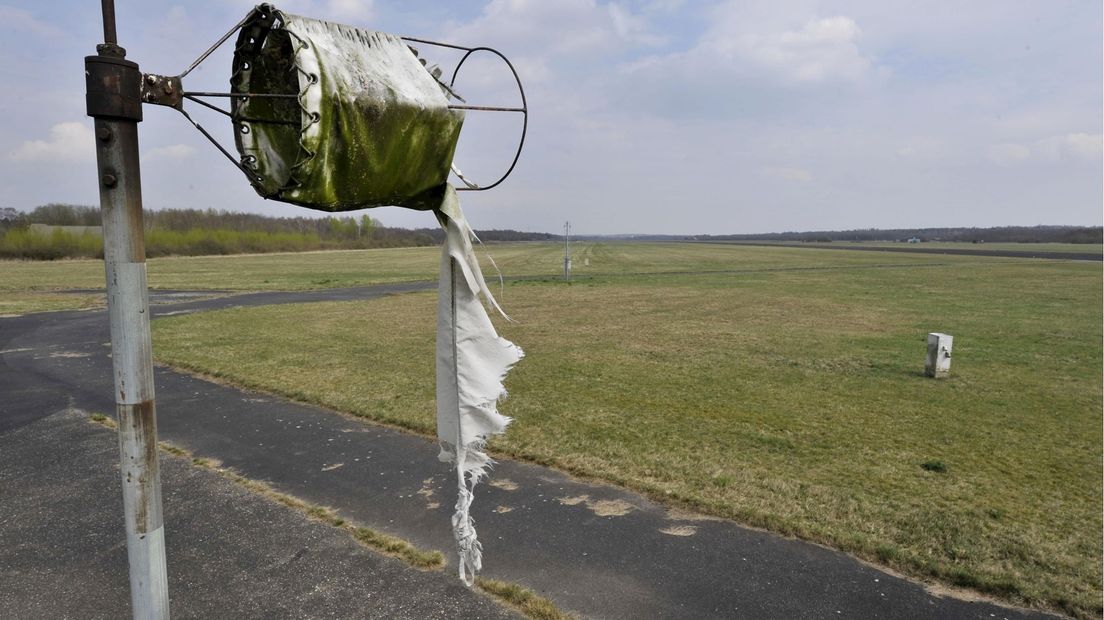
{"type": "Point", "coordinates": [567, 251]}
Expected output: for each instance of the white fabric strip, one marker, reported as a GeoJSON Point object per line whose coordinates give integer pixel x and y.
{"type": "Point", "coordinates": [472, 361]}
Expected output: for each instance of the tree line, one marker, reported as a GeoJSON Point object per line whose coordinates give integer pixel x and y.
{"type": "Point", "coordinates": [194, 232]}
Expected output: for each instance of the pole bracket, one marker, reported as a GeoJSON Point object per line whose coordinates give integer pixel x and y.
{"type": "Point", "coordinates": [162, 90]}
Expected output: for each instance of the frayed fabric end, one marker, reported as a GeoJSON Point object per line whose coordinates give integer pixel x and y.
{"type": "Point", "coordinates": [472, 466]}
{"type": "Point", "coordinates": [472, 361]}
{"type": "Point", "coordinates": [470, 550]}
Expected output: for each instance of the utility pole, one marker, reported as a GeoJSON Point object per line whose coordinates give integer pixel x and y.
{"type": "Point", "coordinates": [567, 251]}
{"type": "Point", "coordinates": [113, 99]}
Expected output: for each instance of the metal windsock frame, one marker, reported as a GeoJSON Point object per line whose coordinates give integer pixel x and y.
{"type": "Point", "coordinates": [276, 105]}
{"type": "Point", "coordinates": [294, 170]}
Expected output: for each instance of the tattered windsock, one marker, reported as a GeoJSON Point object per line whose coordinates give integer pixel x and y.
{"type": "Point", "coordinates": [337, 118]}
{"type": "Point", "coordinates": [366, 123]}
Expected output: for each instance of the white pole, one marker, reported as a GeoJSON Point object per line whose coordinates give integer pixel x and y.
{"type": "Point", "coordinates": [567, 251]}
{"type": "Point", "coordinates": [114, 102]}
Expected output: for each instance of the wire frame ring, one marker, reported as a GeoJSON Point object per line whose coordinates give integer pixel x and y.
{"type": "Point", "coordinates": [468, 51]}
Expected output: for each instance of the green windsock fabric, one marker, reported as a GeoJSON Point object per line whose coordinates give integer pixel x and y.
{"type": "Point", "coordinates": [358, 121]}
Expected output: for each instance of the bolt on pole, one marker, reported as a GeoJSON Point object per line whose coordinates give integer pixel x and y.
{"type": "Point", "coordinates": [114, 101]}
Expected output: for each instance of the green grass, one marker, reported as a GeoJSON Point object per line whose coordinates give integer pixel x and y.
{"type": "Point", "coordinates": [1066, 248]}
{"type": "Point", "coordinates": [35, 286]}
{"type": "Point", "coordinates": [784, 390]}
{"type": "Point", "coordinates": [22, 302]}
{"type": "Point", "coordinates": [522, 599]}
{"type": "Point", "coordinates": [344, 268]}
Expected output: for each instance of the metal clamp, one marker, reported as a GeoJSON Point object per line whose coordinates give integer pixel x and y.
{"type": "Point", "coordinates": [162, 90]}
{"type": "Point", "coordinates": [112, 87]}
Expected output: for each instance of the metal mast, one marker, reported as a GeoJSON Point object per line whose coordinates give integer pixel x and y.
{"type": "Point", "coordinates": [567, 251]}
{"type": "Point", "coordinates": [113, 99]}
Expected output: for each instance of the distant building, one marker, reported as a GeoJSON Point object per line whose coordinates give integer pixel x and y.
{"type": "Point", "coordinates": [914, 240]}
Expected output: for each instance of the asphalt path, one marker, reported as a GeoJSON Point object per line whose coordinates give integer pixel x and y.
{"type": "Point", "coordinates": [594, 549]}
{"type": "Point", "coordinates": [915, 249]}
{"type": "Point", "coordinates": [232, 553]}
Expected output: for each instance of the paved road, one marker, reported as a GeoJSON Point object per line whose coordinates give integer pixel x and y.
{"type": "Point", "coordinates": [593, 549]}
{"type": "Point", "coordinates": [232, 554]}
{"type": "Point", "coordinates": [914, 249]}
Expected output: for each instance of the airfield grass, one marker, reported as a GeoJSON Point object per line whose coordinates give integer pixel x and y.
{"type": "Point", "coordinates": [1065, 248]}
{"type": "Point", "coordinates": [782, 388]}
{"type": "Point", "coordinates": [23, 302]}
{"type": "Point", "coordinates": [36, 286]}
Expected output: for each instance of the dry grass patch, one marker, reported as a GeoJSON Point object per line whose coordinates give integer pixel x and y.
{"type": "Point", "coordinates": [522, 599]}
{"type": "Point", "coordinates": [788, 399]}
{"type": "Point", "coordinates": [24, 302]}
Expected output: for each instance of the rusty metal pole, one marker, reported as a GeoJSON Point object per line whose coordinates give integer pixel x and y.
{"type": "Point", "coordinates": [114, 101]}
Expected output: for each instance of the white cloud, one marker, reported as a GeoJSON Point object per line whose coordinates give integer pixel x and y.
{"type": "Point", "coordinates": [1008, 153]}
{"type": "Point", "coordinates": [631, 27]}
{"type": "Point", "coordinates": [765, 51]}
{"type": "Point", "coordinates": [1084, 146]}
{"type": "Point", "coordinates": [19, 20]}
{"type": "Point", "coordinates": [798, 175]}
{"type": "Point", "coordinates": [353, 10]}
{"type": "Point", "coordinates": [1064, 147]}
{"type": "Point", "coordinates": [921, 147]}
{"type": "Point", "coordinates": [173, 151]}
{"type": "Point", "coordinates": [68, 142]}
{"type": "Point", "coordinates": [822, 50]}
{"type": "Point", "coordinates": [561, 28]}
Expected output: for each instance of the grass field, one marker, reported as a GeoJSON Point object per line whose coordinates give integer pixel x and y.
{"type": "Point", "coordinates": [779, 387]}
{"type": "Point", "coordinates": [1065, 248]}
{"type": "Point", "coordinates": [35, 286]}
{"type": "Point", "coordinates": [32, 286]}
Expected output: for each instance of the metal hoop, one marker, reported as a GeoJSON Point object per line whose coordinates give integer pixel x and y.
{"type": "Point", "coordinates": [524, 109]}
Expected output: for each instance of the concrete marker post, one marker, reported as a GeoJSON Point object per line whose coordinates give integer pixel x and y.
{"type": "Point", "coordinates": [938, 363]}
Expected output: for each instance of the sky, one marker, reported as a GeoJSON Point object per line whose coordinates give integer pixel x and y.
{"type": "Point", "coordinates": [646, 116]}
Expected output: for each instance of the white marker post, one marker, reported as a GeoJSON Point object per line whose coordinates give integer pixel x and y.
{"type": "Point", "coordinates": [939, 355]}
{"type": "Point", "coordinates": [567, 251]}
